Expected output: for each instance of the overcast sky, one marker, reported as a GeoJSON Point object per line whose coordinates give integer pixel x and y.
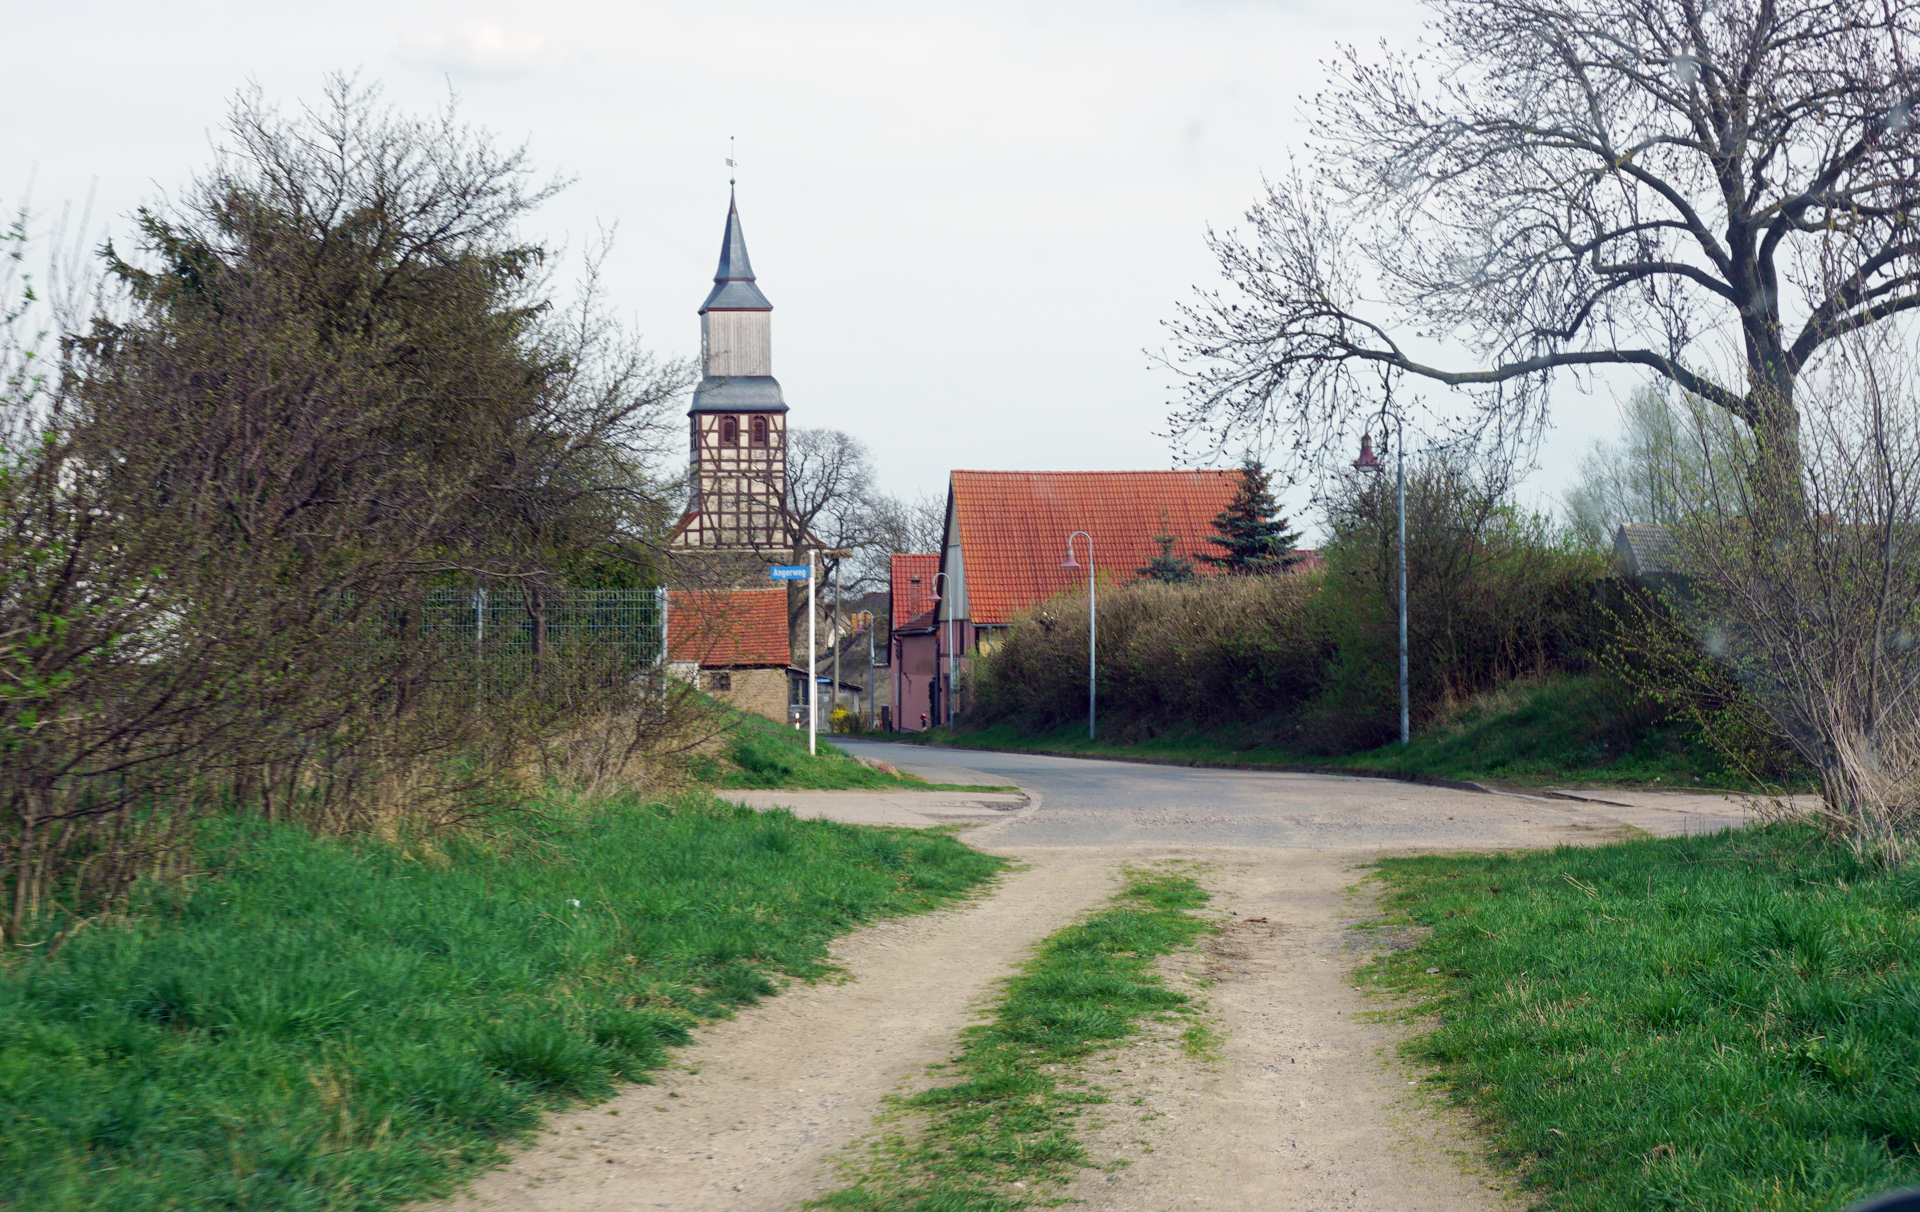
{"type": "Point", "coordinates": [971, 218]}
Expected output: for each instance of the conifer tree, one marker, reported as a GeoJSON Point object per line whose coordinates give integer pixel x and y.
{"type": "Point", "coordinates": [1168, 567]}
{"type": "Point", "coordinates": [1253, 537]}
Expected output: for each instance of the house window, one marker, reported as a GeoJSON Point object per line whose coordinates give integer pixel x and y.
{"type": "Point", "coordinates": [729, 431]}
{"type": "Point", "coordinates": [719, 679]}
{"type": "Point", "coordinates": [759, 431]}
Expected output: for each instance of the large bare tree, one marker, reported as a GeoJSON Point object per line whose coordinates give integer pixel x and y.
{"type": "Point", "coordinates": [1711, 190]}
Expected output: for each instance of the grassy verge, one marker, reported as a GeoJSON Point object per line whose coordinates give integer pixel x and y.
{"type": "Point", "coordinates": [317, 1025]}
{"type": "Point", "coordinates": [761, 754]}
{"type": "Point", "coordinates": [1728, 1022]}
{"type": "Point", "coordinates": [1538, 734]}
{"type": "Point", "coordinates": [1008, 1118]}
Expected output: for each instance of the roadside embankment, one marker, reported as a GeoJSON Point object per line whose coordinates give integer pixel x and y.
{"type": "Point", "coordinates": [1711, 1022]}
{"type": "Point", "coordinates": [352, 1024]}
{"type": "Point", "coordinates": [1558, 732]}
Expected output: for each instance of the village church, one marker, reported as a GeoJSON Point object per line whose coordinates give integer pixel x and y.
{"type": "Point", "coordinates": [727, 621]}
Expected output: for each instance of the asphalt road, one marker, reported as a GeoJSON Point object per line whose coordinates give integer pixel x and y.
{"type": "Point", "coordinates": [1089, 802]}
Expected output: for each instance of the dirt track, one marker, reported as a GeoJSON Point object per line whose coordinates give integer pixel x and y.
{"type": "Point", "coordinates": [1306, 1107]}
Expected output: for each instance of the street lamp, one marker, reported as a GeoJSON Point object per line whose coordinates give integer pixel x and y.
{"type": "Point", "coordinates": [1368, 462]}
{"type": "Point", "coordinates": [813, 645]}
{"type": "Point", "coordinates": [1071, 563]}
{"type": "Point", "coordinates": [935, 599]}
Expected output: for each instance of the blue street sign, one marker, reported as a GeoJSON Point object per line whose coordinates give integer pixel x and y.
{"type": "Point", "coordinates": [788, 572]}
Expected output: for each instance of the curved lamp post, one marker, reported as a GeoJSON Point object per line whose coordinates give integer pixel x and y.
{"type": "Point", "coordinates": [937, 578]}
{"type": "Point", "coordinates": [1369, 462]}
{"type": "Point", "coordinates": [1070, 562]}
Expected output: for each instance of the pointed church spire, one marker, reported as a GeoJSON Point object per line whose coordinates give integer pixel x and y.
{"type": "Point", "coordinates": [736, 335]}
{"type": "Point", "coordinates": [733, 288]}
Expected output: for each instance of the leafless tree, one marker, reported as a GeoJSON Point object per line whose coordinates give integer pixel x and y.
{"type": "Point", "coordinates": [918, 525]}
{"type": "Point", "coordinates": [830, 485]}
{"type": "Point", "coordinates": [1713, 190]}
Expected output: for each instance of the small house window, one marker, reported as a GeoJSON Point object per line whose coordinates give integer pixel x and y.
{"type": "Point", "coordinates": [759, 431]}
{"type": "Point", "coordinates": [719, 679]}
{"type": "Point", "coordinates": [729, 431]}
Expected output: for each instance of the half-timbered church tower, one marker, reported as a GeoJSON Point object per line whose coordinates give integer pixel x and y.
{"type": "Point", "coordinates": [738, 421]}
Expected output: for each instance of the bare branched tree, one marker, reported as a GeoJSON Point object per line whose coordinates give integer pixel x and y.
{"type": "Point", "coordinates": [901, 525]}
{"type": "Point", "coordinates": [1552, 186]}
{"type": "Point", "coordinates": [830, 486]}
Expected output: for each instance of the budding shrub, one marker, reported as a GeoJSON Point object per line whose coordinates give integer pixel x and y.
{"type": "Point", "coordinates": [1171, 656]}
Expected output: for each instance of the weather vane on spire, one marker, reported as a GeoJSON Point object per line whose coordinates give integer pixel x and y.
{"type": "Point", "coordinates": [730, 179]}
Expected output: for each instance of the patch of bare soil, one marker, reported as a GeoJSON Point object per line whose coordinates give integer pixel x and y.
{"type": "Point", "coordinates": [753, 1115]}
{"type": "Point", "coordinates": [1300, 1102]}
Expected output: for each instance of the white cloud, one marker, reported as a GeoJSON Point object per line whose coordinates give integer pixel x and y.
{"type": "Point", "coordinates": [483, 49]}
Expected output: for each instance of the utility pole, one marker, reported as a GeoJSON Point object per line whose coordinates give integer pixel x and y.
{"type": "Point", "coordinates": [1370, 462]}
{"type": "Point", "coordinates": [834, 697]}
{"type": "Point", "coordinates": [813, 658]}
{"type": "Point", "coordinates": [813, 644]}
{"type": "Point", "coordinates": [1092, 614]}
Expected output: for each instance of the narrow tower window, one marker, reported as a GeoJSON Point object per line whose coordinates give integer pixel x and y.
{"type": "Point", "coordinates": [729, 431]}
{"type": "Point", "coordinates": [759, 431]}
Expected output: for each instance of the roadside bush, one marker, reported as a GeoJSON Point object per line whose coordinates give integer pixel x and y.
{"type": "Point", "coordinates": [1495, 594]}
{"type": "Point", "coordinates": [330, 380]}
{"type": "Point", "coordinates": [1309, 661]}
{"type": "Point", "coordinates": [1171, 656]}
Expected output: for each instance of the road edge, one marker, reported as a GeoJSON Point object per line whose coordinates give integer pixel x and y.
{"type": "Point", "coordinates": [1398, 776]}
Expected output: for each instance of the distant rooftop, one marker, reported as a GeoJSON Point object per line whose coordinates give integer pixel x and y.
{"type": "Point", "coordinates": [911, 581]}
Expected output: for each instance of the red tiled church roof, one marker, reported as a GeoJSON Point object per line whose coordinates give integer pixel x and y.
{"type": "Point", "coordinates": [911, 600]}
{"type": "Point", "coordinates": [1014, 527]}
{"type": "Point", "coordinates": [728, 627]}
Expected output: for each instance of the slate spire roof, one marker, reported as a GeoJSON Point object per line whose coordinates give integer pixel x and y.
{"type": "Point", "coordinates": [733, 288]}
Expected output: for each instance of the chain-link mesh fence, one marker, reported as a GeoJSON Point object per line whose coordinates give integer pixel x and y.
{"type": "Point", "coordinates": [616, 633]}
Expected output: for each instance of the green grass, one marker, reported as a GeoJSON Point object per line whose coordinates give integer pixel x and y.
{"type": "Point", "coordinates": [1009, 1116]}
{"type": "Point", "coordinates": [761, 754]}
{"type": "Point", "coordinates": [316, 1025]}
{"type": "Point", "coordinates": [1713, 1023]}
{"type": "Point", "coordinates": [1560, 732]}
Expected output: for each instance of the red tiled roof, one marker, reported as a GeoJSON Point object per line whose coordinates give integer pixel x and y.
{"type": "Point", "coordinates": [1014, 526]}
{"type": "Point", "coordinates": [909, 599]}
{"type": "Point", "coordinates": [926, 620]}
{"type": "Point", "coordinates": [728, 627]}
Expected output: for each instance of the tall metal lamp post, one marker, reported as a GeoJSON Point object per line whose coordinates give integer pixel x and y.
{"type": "Point", "coordinates": [1071, 563]}
{"type": "Point", "coordinates": [813, 675]}
{"type": "Point", "coordinates": [935, 599]}
{"type": "Point", "coordinates": [1369, 462]}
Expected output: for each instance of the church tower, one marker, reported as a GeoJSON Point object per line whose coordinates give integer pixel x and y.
{"type": "Point", "coordinates": [738, 421]}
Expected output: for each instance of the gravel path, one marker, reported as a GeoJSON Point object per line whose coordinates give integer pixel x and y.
{"type": "Point", "coordinates": [1306, 1107]}
{"type": "Point", "coordinates": [755, 1112]}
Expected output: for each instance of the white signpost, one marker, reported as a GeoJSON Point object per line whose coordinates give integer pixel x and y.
{"type": "Point", "coordinates": [804, 572]}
